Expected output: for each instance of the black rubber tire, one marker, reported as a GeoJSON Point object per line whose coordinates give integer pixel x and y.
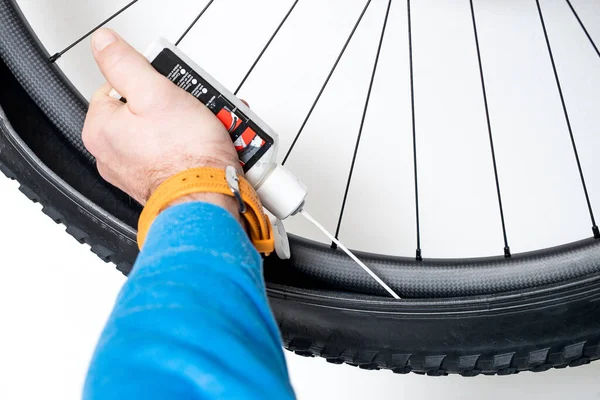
{"type": "Point", "coordinates": [491, 316]}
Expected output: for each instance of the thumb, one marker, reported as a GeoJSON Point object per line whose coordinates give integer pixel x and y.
{"type": "Point", "coordinates": [124, 68]}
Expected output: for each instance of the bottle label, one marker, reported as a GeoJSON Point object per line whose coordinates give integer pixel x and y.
{"type": "Point", "coordinates": [250, 140]}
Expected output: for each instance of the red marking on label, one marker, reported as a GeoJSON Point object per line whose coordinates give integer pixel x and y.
{"type": "Point", "coordinates": [243, 141]}
{"type": "Point", "coordinates": [229, 120]}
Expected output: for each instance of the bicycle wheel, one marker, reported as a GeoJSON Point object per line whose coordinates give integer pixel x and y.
{"type": "Point", "coordinates": [501, 314]}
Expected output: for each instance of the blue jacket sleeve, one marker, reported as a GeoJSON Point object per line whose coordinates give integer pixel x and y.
{"type": "Point", "coordinates": [192, 321]}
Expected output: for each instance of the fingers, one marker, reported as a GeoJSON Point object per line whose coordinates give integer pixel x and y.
{"type": "Point", "coordinates": [102, 103]}
{"type": "Point", "coordinates": [124, 67]}
{"type": "Point", "coordinates": [102, 109]}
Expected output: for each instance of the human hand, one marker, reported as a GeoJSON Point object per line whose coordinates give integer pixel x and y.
{"type": "Point", "coordinates": [161, 130]}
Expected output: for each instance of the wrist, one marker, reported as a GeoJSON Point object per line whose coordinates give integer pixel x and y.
{"type": "Point", "coordinates": [215, 186]}
{"type": "Point", "coordinates": [157, 177]}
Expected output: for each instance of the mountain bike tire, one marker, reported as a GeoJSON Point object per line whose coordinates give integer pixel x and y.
{"type": "Point", "coordinates": [533, 311]}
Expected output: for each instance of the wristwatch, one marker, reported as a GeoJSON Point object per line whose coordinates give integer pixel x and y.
{"type": "Point", "coordinates": [212, 180]}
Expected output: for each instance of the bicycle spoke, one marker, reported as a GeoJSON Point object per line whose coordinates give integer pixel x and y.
{"type": "Point", "coordinates": [595, 229]}
{"type": "Point", "coordinates": [206, 7]}
{"type": "Point", "coordinates": [333, 69]}
{"type": "Point", "coordinates": [489, 126]}
{"type": "Point", "coordinates": [583, 27]}
{"type": "Point", "coordinates": [362, 122]}
{"type": "Point", "coordinates": [106, 21]}
{"type": "Point", "coordinates": [419, 255]}
{"type": "Point", "coordinates": [266, 47]}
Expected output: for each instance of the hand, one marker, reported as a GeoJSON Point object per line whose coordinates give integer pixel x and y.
{"type": "Point", "coordinates": [161, 130]}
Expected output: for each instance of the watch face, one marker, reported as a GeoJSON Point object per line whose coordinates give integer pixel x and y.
{"type": "Point", "coordinates": [250, 140]}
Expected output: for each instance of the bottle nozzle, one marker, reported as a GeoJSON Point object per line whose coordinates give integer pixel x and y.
{"type": "Point", "coordinates": [350, 254]}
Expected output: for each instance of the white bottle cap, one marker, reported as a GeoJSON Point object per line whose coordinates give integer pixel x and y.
{"type": "Point", "coordinates": [282, 193]}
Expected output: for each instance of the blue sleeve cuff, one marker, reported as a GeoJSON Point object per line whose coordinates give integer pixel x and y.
{"type": "Point", "coordinates": [201, 228]}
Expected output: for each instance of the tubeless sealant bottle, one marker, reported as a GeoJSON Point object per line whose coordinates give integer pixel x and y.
{"type": "Point", "coordinates": [280, 191]}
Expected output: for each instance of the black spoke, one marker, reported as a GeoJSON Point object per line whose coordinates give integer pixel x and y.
{"type": "Point", "coordinates": [489, 127]}
{"type": "Point", "coordinates": [584, 29]}
{"type": "Point", "coordinates": [266, 47]}
{"type": "Point", "coordinates": [419, 255]}
{"type": "Point", "coordinates": [194, 22]}
{"type": "Point", "coordinates": [106, 21]}
{"type": "Point", "coordinates": [335, 65]}
{"type": "Point", "coordinates": [364, 115]}
{"type": "Point", "coordinates": [595, 229]}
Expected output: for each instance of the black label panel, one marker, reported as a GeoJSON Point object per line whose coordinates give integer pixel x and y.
{"type": "Point", "coordinates": [250, 141]}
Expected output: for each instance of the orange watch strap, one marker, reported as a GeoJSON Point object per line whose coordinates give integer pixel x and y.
{"type": "Point", "coordinates": [209, 180]}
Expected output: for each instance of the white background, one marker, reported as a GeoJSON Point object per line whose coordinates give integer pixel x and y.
{"type": "Point", "coordinates": [55, 295]}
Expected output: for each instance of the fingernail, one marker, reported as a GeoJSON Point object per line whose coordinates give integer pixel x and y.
{"type": "Point", "coordinates": [103, 38]}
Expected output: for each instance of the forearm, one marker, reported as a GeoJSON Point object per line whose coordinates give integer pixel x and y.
{"type": "Point", "coordinates": [193, 319]}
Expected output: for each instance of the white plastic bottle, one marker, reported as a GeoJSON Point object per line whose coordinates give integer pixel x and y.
{"type": "Point", "coordinates": [279, 190]}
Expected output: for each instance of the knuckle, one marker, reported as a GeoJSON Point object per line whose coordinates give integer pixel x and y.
{"type": "Point", "coordinates": [91, 138]}
{"type": "Point", "coordinates": [86, 137]}
{"type": "Point", "coordinates": [104, 171]}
